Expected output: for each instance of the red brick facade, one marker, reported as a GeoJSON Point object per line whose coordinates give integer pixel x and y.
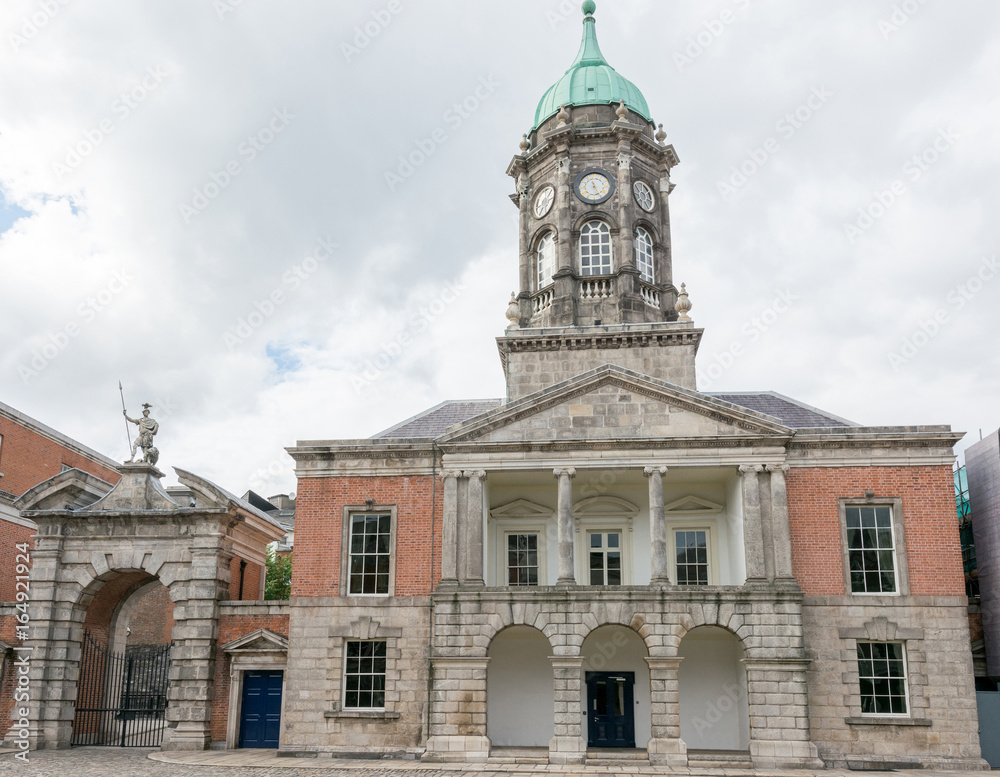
{"type": "Point", "coordinates": [27, 458]}
{"type": "Point", "coordinates": [934, 556]}
{"type": "Point", "coordinates": [233, 627]}
{"type": "Point", "coordinates": [319, 526]}
{"type": "Point", "coordinates": [152, 619]}
{"type": "Point", "coordinates": [251, 581]}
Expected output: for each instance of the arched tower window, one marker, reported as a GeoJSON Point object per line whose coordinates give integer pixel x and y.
{"type": "Point", "coordinates": [595, 249]}
{"type": "Point", "coordinates": [644, 255]}
{"type": "Point", "coordinates": [546, 259]}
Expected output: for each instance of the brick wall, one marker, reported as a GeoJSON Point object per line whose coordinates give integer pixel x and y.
{"type": "Point", "coordinates": [152, 619]}
{"type": "Point", "coordinates": [934, 556]}
{"type": "Point", "coordinates": [234, 626]}
{"type": "Point", "coordinates": [251, 581]}
{"type": "Point", "coordinates": [27, 458]}
{"type": "Point", "coordinates": [8, 624]}
{"type": "Point", "coordinates": [319, 524]}
{"type": "Point", "coordinates": [11, 534]}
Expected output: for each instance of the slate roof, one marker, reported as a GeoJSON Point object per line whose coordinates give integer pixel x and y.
{"type": "Point", "coordinates": [434, 422]}
{"type": "Point", "coordinates": [790, 412]}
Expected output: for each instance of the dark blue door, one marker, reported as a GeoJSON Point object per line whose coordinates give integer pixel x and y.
{"type": "Point", "coordinates": [260, 720]}
{"type": "Point", "coordinates": [610, 713]}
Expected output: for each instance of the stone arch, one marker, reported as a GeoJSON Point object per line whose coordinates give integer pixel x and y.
{"type": "Point", "coordinates": [646, 224]}
{"type": "Point", "coordinates": [596, 215]}
{"type": "Point", "coordinates": [617, 652]}
{"type": "Point", "coordinates": [712, 690]}
{"type": "Point", "coordinates": [723, 617]}
{"type": "Point", "coordinates": [615, 614]}
{"type": "Point", "coordinates": [508, 615]}
{"type": "Point", "coordinates": [520, 688]}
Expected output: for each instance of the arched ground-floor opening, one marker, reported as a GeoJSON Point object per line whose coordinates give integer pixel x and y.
{"type": "Point", "coordinates": [713, 691]}
{"type": "Point", "coordinates": [615, 692]}
{"type": "Point", "coordinates": [123, 672]}
{"type": "Point", "coordinates": [520, 694]}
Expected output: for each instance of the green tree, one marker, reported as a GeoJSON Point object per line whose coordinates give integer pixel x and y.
{"type": "Point", "coordinates": [278, 582]}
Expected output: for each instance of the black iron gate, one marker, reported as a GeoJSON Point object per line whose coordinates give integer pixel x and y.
{"type": "Point", "coordinates": [121, 698]}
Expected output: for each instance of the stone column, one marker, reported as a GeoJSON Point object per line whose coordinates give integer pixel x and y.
{"type": "Point", "coordinates": [474, 545]}
{"type": "Point", "coordinates": [779, 735]}
{"type": "Point", "coordinates": [657, 526]}
{"type": "Point", "coordinates": [564, 517]}
{"type": "Point", "coordinates": [192, 653]}
{"type": "Point", "coordinates": [568, 745]}
{"type": "Point", "coordinates": [449, 533]}
{"type": "Point", "coordinates": [753, 533]}
{"type": "Point", "coordinates": [666, 746]}
{"type": "Point", "coordinates": [458, 711]}
{"type": "Point", "coordinates": [780, 531]}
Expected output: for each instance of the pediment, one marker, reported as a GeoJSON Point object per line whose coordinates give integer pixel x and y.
{"type": "Point", "coordinates": [72, 489]}
{"type": "Point", "coordinates": [693, 505]}
{"type": "Point", "coordinates": [521, 509]}
{"type": "Point", "coordinates": [260, 641]}
{"type": "Point", "coordinates": [611, 403]}
{"type": "Point", "coordinates": [605, 507]}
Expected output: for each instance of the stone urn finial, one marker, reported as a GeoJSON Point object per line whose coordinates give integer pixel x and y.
{"type": "Point", "coordinates": [622, 111]}
{"type": "Point", "coordinates": [563, 116]}
{"type": "Point", "coordinates": [513, 312]}
{"type": "Point", "coordinates": [683, 306]}
{"type": "Point", "coordinates": [661, 135]}
{"type": "Point", "coordinates": [525, 144]}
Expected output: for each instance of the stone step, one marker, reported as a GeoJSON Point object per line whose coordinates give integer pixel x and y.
{"type": "Point", "coordinates": [719, 759]}
{"type": "Point", "coordinates": [614, 756]}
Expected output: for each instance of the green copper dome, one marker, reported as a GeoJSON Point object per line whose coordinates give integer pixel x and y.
{"type": "Point", "coordinates": [590, 80]}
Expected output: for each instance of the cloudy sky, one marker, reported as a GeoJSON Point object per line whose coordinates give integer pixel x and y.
{"type": "Point", "coordinates": [205, 200]}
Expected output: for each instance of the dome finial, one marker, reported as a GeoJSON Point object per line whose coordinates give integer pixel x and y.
{"type": "Point", "coordinates": [589, 6]}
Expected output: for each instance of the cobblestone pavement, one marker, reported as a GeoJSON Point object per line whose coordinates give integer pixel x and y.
{"type": "Point", "coordinates": [116, 762]}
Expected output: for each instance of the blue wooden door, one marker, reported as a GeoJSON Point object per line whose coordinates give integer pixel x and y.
{"type": "Point", "coordinates": [260, 719]}
{"type": "Point", "coordinates": [610, 713]}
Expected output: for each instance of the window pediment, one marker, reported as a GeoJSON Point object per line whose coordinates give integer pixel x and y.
{"type": "Point", "coordinates": [693, 505]}
{"type": "Point", "coordinates": [521, 509]}
{"type": "Point", "coordinates": [605, 507]}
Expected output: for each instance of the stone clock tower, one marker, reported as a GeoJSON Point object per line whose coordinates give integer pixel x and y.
{"type": "Point", "coordinates": [596, 271]}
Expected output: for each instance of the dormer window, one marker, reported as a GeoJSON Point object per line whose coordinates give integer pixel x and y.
{"type": "Point", "coordinates": [595, 249]}
{"type": "Point", "coordinates": [546, 259]}
{"type": "Point", "coordinates": [644, 255]}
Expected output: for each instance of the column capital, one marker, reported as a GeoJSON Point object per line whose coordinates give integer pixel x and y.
{"type": "Point", "coordinates": [568, 472]}
{"type": "Point", "coordinates": [648, 471]}
{"type": "Point", "coordinates": [746, 468]}
{"type": "Point", "coordinates": [777, 468]}
{"type": "Point", "coordinates": [451, 473]}
{"type": "Point", "coordinates": [566, 662]}
{"type": "Point", "coordinates": [477, 474]}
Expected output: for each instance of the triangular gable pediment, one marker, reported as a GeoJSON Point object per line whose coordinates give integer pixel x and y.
{"type": "Point", "coordinates": [613, 403]}
{"type": "Point", "coordinates": [604, 507]}
{"type": "Point", "coordinates": [693, 505]}
{"type": "Point", "coordinates": [521, 509]}
{"type": "Point", "coordinates": [71, 489]}
{"type": "Point", "coordinates": [260, 641]}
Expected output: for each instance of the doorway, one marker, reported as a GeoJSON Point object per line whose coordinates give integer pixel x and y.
{"type": "Point", "coordinates": [610, 709]}
{"type": "Point", "coordinates": [260, 711]}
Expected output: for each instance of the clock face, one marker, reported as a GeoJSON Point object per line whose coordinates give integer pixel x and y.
{"type": "Point", "coordinates": [644, 195]}
{"type": "Point", "coordinates": [544, 200]}
{"type": "Point", "coordinates": [594, 186]}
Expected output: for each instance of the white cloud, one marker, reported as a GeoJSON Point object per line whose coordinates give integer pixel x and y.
{"type": "Point", "coordinates": [228, 412]}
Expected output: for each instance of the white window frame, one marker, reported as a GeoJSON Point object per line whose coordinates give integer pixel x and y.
{"type": "Point", "coordinates": [503, 569]}
{"type": "Point", "coordinates": [603, 514]}
{"type": "Point", "coordinates": [906, 680]}
{"type": "Point", "coordinates": [343, 677]}
{"type": "Point", "coordinates": [546, 268]}
{"type": "Point", "coordinates": [899, 558]}
{"type": "Point", "coordinates": [712, 555]}
{"type": "Point", "coordinates": [645, 255]}
{"type": "Point", "coordinates": [345, 544]}
{"type": "Point", "coordinates": [588, 549]}
{"type": "Point", "coordinates": [606, 268]}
